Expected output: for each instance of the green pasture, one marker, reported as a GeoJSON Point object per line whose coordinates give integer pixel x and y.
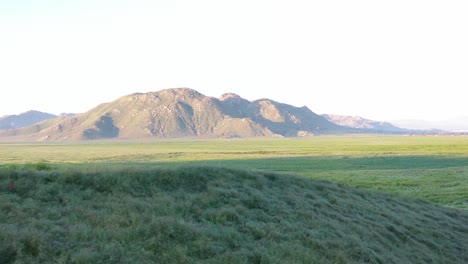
{"type": "Point", "coordinates": [431, 168]}
{"type": "Point", "coordinates": [226, 149]}
{"type": "Point", "coordinates": [236, 201]}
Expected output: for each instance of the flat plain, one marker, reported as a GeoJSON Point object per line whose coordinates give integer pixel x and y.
{"type": "Point", "coordinates": [424, 167]}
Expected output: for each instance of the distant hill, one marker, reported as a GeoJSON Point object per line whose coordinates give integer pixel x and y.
{"type": "Point", "coordinates": [24, 119]}
{"type": "Point", "coordinates": [180, 112]}
{"type": "Point", "coordinates": [365, 124]}
{"type": "Point", "coordinates": [459, 123]}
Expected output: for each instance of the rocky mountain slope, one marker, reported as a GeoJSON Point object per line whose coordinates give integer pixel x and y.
{"type": "Point", "coordinates": [24, 119]}
{"type": "Point", "coordinates": [364, 124]}
{"type": "Point", "coordinates": [180, 112]}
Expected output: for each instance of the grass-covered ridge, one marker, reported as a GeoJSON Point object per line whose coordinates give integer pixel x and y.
{"type": "Point", "coordinates": [214, 215]}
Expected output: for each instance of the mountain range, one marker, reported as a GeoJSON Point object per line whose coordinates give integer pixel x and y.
{"type": "Point", "coordinates": [455, 124]}
{"type": "Point", "coordinates": [364, 124]}
{"type": "Point", "coordinates": [24, 119]}
{"type": "Point", "coordinates": [184, 112]}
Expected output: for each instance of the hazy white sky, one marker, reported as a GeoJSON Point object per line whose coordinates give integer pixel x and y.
{"type": "Point", "coordinates": [382, 60]}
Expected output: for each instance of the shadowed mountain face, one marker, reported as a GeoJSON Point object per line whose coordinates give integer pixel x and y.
{"type": "Point", "coordinates": [180, 112]}
{"type": "Point", "coordinates": [23, 120]}
{"type": "Point", "coordinates": [281, 119]}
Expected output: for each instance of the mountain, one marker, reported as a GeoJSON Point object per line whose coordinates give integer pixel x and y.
{"type": "Point", "coordinates": [364, 124]}
{"type": "Point", "coordinates": [24, 119]}
{"type": "Point", "coordinates": [281, 119]}
{"type": "Point", "coordinates": [180, 112]}
{"type": "Point", "coordinates": [455, 124]}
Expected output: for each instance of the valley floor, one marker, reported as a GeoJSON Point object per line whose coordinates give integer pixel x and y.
{"type": "Point", "coordinates": [430, 168]}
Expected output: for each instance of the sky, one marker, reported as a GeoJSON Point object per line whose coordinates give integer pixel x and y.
{"type": "Point", "coordinates": [382, 60]}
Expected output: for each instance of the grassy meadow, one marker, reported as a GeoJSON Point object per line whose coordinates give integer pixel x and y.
{"type": "Point", "coordinates": [431, 168]}
{"type": "Point", "coordinates": [363, 199]}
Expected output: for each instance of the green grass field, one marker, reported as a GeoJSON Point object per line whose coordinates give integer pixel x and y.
{"type": "Point", "coordinates": [434, 169]}
{"type": "Point", "coordinates": [236, 201]}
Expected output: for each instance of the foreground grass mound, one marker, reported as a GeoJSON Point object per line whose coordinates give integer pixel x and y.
{"type": "Point", "coordinates": [214, 215]}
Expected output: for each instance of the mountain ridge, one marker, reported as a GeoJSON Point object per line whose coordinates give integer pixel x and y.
{"type": "Point", "coordinates": [23, 119]}
{"type": "Point", "coordinates": [458, 123]}
{"type": "Point", "coordinates": [185, 112]}
{"type": "Point", "coordinates": [364, 124]}
{"type": "Point", "coordinates": [180, 112]}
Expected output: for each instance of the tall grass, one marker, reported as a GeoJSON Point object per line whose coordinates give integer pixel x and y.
{"type": "Point", "coordinates": [214, 215]}
{"type": "Point", "coordinates": [439, 179]}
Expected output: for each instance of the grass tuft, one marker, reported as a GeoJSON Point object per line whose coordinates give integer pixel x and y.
{"type": "Point", "coordinates": [40, 166]}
